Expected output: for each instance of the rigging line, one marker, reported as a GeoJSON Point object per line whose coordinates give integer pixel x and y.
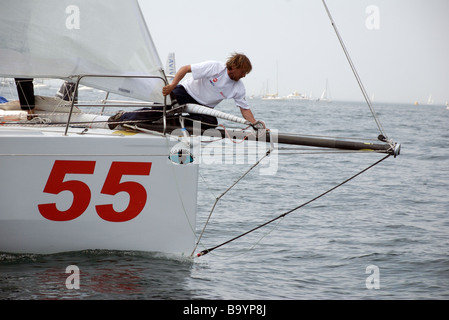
{"type": "Point", "coordinates": [359, 81]}
{"type": "Point", "coordinates": [206, 251]}
{"type": "Point", "coordinates": [258, 241]}
{"type": "Point", "coordinates": [226, 191]}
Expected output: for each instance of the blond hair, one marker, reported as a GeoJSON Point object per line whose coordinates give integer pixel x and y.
{"type": "Point", "coordinates": [239, 61]}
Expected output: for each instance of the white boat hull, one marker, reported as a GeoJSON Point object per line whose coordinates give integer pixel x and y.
{"type": "Point", "coordinates": [94, 190]}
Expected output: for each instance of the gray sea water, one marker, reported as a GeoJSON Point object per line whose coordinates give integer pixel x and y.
{"type": "Point", "coordinates": [383, 235]}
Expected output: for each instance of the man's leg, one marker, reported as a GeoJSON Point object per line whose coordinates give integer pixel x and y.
{"type": "Point", "coordinates": [25, 91]}
{"type": "Point", "coordinates": [183, 97]}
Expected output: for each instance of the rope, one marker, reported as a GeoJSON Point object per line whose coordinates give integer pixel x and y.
{"type": "Point", "coordinates": [204, 252]}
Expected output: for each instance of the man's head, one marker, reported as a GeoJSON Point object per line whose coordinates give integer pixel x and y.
{"type": "Point", "coordinates": [238, 66]}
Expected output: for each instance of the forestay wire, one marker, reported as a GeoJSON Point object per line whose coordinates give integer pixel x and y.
{"type": "Point", "coordinates": [359, 81]}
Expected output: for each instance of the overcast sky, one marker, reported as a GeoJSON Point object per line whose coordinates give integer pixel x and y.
{"type": "Point", "coordinates": [399, 47]}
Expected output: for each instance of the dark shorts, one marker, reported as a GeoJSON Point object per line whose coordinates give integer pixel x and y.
{"type": "Point", "coordinates": [183, 97]}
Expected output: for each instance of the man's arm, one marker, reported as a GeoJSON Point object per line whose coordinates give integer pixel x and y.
{"type": "Point", "coordinates": [178, 77]}
{"type": "Point", "coordinates": [248, 115]}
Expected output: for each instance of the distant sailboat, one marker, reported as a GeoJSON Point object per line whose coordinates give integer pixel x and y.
{"type": "Point", "coordinates": [273, 96]}
{"type": "Point", "coordinates": [430, 100]}
{"type": "Point", "coordinates": [268, 96]}
{"type": "Point", "coordinates": [325, 96]}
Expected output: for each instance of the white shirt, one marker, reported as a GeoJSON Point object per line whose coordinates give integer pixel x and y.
{"type": "Point", "coordinates": [210, 84]}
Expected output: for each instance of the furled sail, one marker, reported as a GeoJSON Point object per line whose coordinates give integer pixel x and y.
{"type": "Point", "coordinates": [66, 38]}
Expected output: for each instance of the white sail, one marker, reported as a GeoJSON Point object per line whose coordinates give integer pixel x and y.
{"type": "Point", "coordinates": [64, 38]}
{"type": "Point", "coordinates": [325, 96]}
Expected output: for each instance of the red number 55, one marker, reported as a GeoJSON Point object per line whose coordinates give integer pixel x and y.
{"type": "Point", "coordinates": [82, 194]}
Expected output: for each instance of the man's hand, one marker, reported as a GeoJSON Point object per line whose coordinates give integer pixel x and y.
{"type": "Point", "coordinates": [168, 89]}
{"type": "Point", "coordinates": [260, 128]}
{"type": "Point", "coordinates": [178, 77]}
{"type": "Point", "coordinates": [259, 125]}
